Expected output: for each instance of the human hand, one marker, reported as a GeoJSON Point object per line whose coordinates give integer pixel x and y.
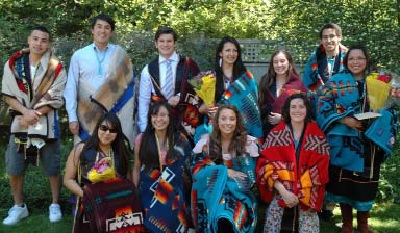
{"type": "Point", "coordinates": [236, 174]}
{"type": "Point", "coordinates": [353, 123]}
{"type": "Point", "coordinates": [274, 118]}
{"type": "Point", "coordinates": [174, 100]}
{"type": "Point", "coordinates": [289, 198]}
{"type": "Point", "coordinates": [30, 117]}
{"type": "Point", "coordinates": [74, 127]}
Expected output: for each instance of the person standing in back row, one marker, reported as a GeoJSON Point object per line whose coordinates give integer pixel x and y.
{"type": "Point", "coordinates": [33, 85]}
{"type": "Point", "coordinates": [100, 79]}
{"type": "Point", "coordinates": [165, 78]}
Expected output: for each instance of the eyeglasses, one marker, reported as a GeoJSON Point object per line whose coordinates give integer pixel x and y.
{"type": "Point", "coordinates": [353, 59]}
{"type": "Point", "coordinates": [326, 37]}
{"type": "Point", "coordinates": [105, 128]}
{"type": "Point", "coordinates": [161, 116]}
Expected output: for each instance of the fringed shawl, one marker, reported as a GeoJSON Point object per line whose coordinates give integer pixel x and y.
{"type": "Point", "coordinates": [45, 89]}
{"type": "Point", "coordinates": [305, 178]}
{"type": "Point", "coordinates": [116, 94]}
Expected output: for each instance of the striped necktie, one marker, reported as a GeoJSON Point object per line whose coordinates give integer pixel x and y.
{"type": "Point", "coordinates": [168, 88]}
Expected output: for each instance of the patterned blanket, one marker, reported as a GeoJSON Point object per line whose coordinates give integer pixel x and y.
{"type": "Point", "coordinates": [215, 196]}
{"type": "Point", "coordinates": [116, 95]}
{"type": "Point", "coordinates": [242, 93]}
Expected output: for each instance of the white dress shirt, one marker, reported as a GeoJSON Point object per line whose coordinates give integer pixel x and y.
{"type": "Point", "coordinates": [146, 86]}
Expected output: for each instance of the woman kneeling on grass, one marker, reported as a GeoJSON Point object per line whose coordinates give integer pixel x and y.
{"type": "Point", "coordinates": [97, 172]}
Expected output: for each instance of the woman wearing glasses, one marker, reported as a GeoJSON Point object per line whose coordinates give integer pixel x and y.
{"type": "Point", "coordinates": [103, 157]}
{"type": "Point", "coordinates": [355, 156]}
{"type": "Point", "coordinates": [161, 170]}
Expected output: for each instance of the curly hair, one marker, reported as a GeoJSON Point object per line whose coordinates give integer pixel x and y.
{"type": "Point", "coordinates": [239, 138]}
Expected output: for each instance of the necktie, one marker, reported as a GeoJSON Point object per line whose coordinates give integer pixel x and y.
{"type": "Point", "coordinates": [169, 82]}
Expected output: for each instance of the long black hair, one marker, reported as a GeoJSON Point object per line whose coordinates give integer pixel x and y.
{"type": "Point", "coordinates": [119, 145]}
{"type": "Point", "coordinates": [148, 152]}
{"type": "Point", "coordinates": [238, 67]}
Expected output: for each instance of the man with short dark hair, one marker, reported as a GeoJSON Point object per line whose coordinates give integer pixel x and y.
{"type": "Point", "coordinates": [33, 86]}
{"type": "Point", "coordinates": [166, 78]}
{"type": "Point", "coordinates": [327, 59]}
{"type": "Point", "coordinates": [323, 63]}
{"type": "Point", "coordinates": [100, 79]}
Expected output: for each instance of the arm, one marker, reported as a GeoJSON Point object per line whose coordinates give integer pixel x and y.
{"type": "Point", "coordinates": [145, 89]}
{"type": "Point", "coordinates": [71, 171]}
{"type": "Point", "coordinates": [71, 94]}
{"type": "Point", "coordinates": [29, 116]}
{"type": "Point", "coordinates": [136, 163]}
{"type": "Point", "coordinates": [288, 197]}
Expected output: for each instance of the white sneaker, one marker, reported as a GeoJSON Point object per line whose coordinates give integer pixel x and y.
{"type": "Point", "coordinates": [54, 213]}
{"type": "Point", "coordinates": [15, 214]}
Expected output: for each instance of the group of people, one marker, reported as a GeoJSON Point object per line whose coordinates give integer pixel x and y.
{"type": "Point", "coordinates": [293, 140]}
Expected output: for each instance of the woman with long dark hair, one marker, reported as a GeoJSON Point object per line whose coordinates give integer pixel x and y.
{"type": "Point", "coordinates": [235, 85]}
{"type": "Point", "coordinates": [161, 170]}
{"type": "Point", "coordinates": [358, 147]}
{"type": "Point", "coordinates": [100, 165]}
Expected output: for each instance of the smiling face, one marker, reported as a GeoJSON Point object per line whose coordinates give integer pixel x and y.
{"type": "Point", "coordinates": [161, 119]}
{"type": "Point", "coordinates": [298, 111]}
{"type": "Point", "coordinates": [101, 33]}
{"type": "Point", "coordinates": [357, 63]}
{"type": "Point", "coordinates": [165, 45]}
{"type": "Point", "coordinates": [280, 64]}
{"type": "Point", "coordinates": [106, 133]}
{"type": "Point", "coordinates": [229, 53]}
{"type": "Point", "coordinates": [39, 42]}
{"type": "Point", "coordinates": [227, 122]}
{"type": "Point", "coordinates": [330, 40]}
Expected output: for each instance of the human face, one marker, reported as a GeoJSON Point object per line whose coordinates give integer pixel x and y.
{"type": "Point", "coordinates": [39, 42]}
{"type": "Point", "coordinates": [165, 45]}
{"type": "Point", "coordinates": [280, 64]}
{"type": "Point", "coordinates": [357, 63]}
{"type": "Point", "coordinates": [229, 53]}
{"type": "Point", "coordinates": [330, 40]}
{"type": "Point", "coordinates": [160, 121]}
{"type": "Point", "coordinates": [101, 33]}
{"type": "Point", "coordinates": [227, 122]}
{"type": "Point", "coordinates": [298, 111]}
{"type": "Point", "coordinates": [106, 133]}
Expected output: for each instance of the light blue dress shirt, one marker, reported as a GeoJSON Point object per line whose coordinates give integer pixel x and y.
{"type": "Point", "coordinates": [91, 65]}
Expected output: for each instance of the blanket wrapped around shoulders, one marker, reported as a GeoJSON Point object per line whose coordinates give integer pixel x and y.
{"type": "Point", "coordinates": [216, 196]}
{"type": "Point", "coordinates": [305, 178]}
{"type": "Point", "coordinates": [46, 88]}
{"type": "Point", "coordinates": [116, 94]}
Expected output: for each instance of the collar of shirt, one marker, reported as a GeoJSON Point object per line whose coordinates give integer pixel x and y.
{"type": "Point", "coordinates": [173, 58]}
{"type": "Point", "coordinates": [95, 47]}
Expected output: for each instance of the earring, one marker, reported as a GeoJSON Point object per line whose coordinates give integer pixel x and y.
{"type": "Point", "coordinates": [220, 62]}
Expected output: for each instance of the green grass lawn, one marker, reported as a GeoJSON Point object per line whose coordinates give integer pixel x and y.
{"type": "Point", "coordinates": [385, 216]}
